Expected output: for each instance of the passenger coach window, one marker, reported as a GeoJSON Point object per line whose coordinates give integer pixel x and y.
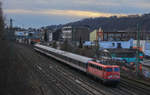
{"type": "Point", "coordinates": [108, 69]}
{"type": "Point", "coordinates": [100, 68]}
{"type": "Point", "coordinates": [116, 69]}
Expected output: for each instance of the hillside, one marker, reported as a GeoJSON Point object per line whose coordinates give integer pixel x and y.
{"type": "Point", "coordinates": [116, 23]}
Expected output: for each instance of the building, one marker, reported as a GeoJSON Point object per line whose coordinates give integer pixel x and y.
{"type": "Point", "coordinates": [34, 36]}
{"type": "Point", "coordinates": [75, 34]}
{"type": "Point", "coordinates": [67, 32]}
{"type": "Point", "coordinates": [52, 35]}
{"type": "Point", "coordinates": [96, 34]}
{"type": "Point", "coordinates": [111, 44]}
{"type": "Point", "coordinates": [125, 35]}
{"type": "Point", "coordinates": [57, 35]}
{"type": "Point", "coordinates": [144, 46]}
{"type": "Point", "coordinates": [93, 36]}
{"type": "Point", "coordinates": [21, 36]}
{"type": "Point", "coordinates": [27, 36]}
{"type": "Point", "coordinates": [48, 35]}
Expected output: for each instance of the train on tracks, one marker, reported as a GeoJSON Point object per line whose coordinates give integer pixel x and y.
{"type": "Point", "coordinates": [99, 69]}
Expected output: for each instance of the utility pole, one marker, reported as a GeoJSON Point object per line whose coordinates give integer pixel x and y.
{"type": "Point", "coordinates": [137, 51]}
{"type": "Point", "coordinates": [97, 44]}
{"type": "Point", "coordinates": [11, 23]}
{"type": "Point", "coordinates": [11, 31]}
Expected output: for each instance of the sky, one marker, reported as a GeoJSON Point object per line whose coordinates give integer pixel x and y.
{"type": "Point", "coordinates": [39, 13]}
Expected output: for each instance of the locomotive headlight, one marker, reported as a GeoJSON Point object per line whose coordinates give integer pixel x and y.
{"type": "Point", "coordinates": [110, 76]}
{"type": "Point", "coordinates": [116, 76]}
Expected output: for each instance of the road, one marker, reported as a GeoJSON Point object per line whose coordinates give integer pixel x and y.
{"type": "Point", "coordinates": [27, 72]}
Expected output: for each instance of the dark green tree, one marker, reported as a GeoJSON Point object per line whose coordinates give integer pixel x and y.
{"type": "Point", "coordinates": [54, 45]}
{"type": "Point", "coordinates": [1, 21]}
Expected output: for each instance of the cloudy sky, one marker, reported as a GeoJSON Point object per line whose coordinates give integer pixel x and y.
{"type": "Point", "coordinates": [37, 13]}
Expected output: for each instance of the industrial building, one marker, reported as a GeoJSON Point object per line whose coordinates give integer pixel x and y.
{"type": "Point", "coordinates": [75, 34]}
{"type": "Point", "coordinates": [27, 36]}
{"type": "Point", "coordinates": [53, 35]}
{"type": "Point", "coordinates": [125, 35]}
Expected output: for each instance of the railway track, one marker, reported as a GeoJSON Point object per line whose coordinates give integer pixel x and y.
{"type": "Point", "coordinates": [135, 86]}
{"type": "Point", "coordinates": [57, 81]}
{"type": "Point", "coordinates": [124, 90]}
{"type": "Point", "coordinates": [61, 85]}
{"type": "Point", "coordinates": [121, 90]}
{"type": "Point", "coordinates": [79, 83]}
{"type": "Point", "coordinates": [88, 86]}
{"type": "Point", "coordinates": [98, 88]}
{"type": "Point", "coordinates": [83, 84]}
{"type": "Point", "coordinates": [66, 85]}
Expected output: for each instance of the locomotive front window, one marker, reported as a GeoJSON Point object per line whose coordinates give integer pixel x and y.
{"type": "Point", "coordinates": [108, 69]}
{"type": "Point", "coordinates": [116, 69]}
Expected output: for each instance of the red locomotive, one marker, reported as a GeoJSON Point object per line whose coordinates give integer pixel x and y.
{"type": "Point", "coordinates": [107, 73]}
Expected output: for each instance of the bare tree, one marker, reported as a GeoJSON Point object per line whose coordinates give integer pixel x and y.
{"type": "Point", "coordinates": [1, 21]}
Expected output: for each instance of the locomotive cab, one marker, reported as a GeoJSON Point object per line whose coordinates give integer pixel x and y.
{"type": "Point", "coordinates": [107, 73]}
{"type": "Point", "coordinates": [111, 74]}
